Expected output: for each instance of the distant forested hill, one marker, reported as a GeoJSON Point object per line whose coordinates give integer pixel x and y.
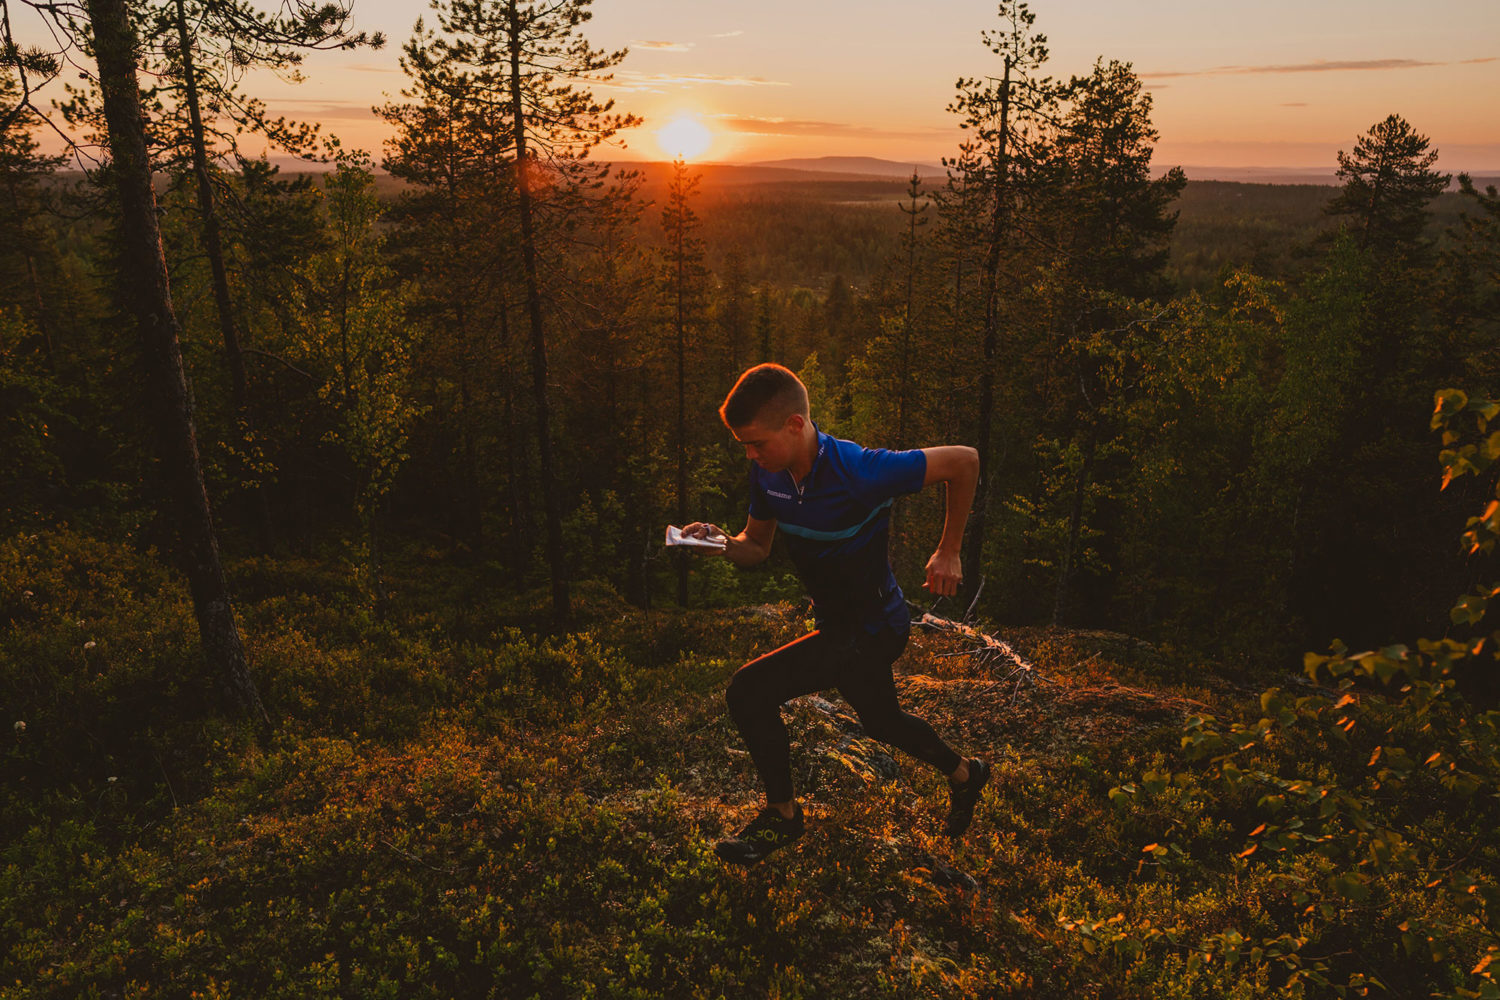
{"type": "Point", "coordinates": [799, 224]}
{"type": "Point", "coordinates": [800, 227]}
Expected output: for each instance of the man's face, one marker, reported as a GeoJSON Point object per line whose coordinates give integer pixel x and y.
{"type": "Point", "coordinates": [771, 447]}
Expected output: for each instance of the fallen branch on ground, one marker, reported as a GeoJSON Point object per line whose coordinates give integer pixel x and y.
{"type": "Point", "coordinates": [990, 650]}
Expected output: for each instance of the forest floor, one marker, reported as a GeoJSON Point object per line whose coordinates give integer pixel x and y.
{"type": "Point", "coordinates": [453, 804]}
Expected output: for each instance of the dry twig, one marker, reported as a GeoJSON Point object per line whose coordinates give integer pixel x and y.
{"type": "Point", "coordinates": [990, 650]}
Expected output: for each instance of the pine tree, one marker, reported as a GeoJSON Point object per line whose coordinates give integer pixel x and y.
{"type": "Point", "coordinates": [839, 318]}
{"type": "Point", "coordinates": [1005, 118]}
{"type": "Point", "coordinates": [455, 236]}
{"type": "Point", "coordinates": [22, 170]}
{"type": "Point", "coordinates": [196, 53]}
{"type": "Point", "coordinates": [613, 286]}
{"type": "Point", "coordinates": [765, 324]}
{"type": "Point", "coordinates": [226, 38]}
{"type": "Point", "coordinates": [151, 301]}
{"type": "Point", "coordinates": [1115, 221]}
{"type": "Point", "coordinates": [1378, 274]}
{"type": "Point", "coordinates": [525, 63]}
{"type": "Point", "coordinates": [683, 275]}
{"type": "Point", "coordinates": [1471, 282]}
{"type": "Point", "coordinates": [910, 244]}
{"type": "Point", "coordinates": [359, 336]}
{"type": "Point", "coordinates": [1109, 226]}
{"type": "Point", "coordinates": [1388, 183]}
{"type": "Point", "coordinates": [208, 46]}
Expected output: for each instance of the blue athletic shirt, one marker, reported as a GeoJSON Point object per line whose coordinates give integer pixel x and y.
{"type": "Point", "coordinates": [837, 525]}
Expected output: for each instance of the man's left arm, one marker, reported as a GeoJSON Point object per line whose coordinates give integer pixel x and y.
{"type": "Point", "coordinates": [958, 466]}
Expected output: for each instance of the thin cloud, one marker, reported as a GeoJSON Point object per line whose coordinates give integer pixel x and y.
{"type": "Point", "coordinates": [631, 80]}
{"type": "Point", "coordinates": [662, 46]}
{"type": "Point", "coordinates": [728, 34]}
{"type": "Point", "coordinates": [1317, 66]}
{"type": "Point", "coordinates": [322, 110]}
{"type": "Point", "coordinates": [756, 125]}
{"type": "Point", "coordinates": [371, 68]}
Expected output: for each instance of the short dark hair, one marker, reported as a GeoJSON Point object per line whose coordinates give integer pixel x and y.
{"type": "Point", "coordinates": [768, 392]}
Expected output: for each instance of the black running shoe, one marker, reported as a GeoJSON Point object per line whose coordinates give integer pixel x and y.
{"type": "Point", "coordinates": [962, 798]}
{"type": "Point", "coordinates": [766, 833]}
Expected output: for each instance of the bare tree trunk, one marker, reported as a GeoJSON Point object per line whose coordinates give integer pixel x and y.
{"type": "Point", "coordinates": [145, 274]}
{"type": "Point", "coordinates": [999, 227]}
{"type": "Point", "coordinates": [643, 563]}
{"type": "Point", "coordinates": [682, 563]}
{"type": "Point", "coordinates": [372, 543]}
{"type": "Point", "coordinates": [41, 312]}
{"type": "Point", "coordinates": [470, 504]}
{"type": "Point", "coordinates": [213, 247]}
{"type": "Point", "coordinates": [735, 308]}
{"type": "Point", "coordinates": [471, 521]}
{"type": "Point", "coordinates": [560, 609]}
{"type": "Point", "coordinates": [893, 545]}
{"type": "Point", "coordinates": [515, 472]}
{"type": "Point", "coordinates": [1075, 529]}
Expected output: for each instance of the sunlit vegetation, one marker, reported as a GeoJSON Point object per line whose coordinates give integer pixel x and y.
{"type": "Point", "coordinates": [413, 506]}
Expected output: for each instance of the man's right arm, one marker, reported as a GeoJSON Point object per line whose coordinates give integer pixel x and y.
{"type": "Point", "coordinates": [749, 547]}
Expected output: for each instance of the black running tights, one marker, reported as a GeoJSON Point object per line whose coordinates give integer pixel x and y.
{"type": "Point", "coordinates": [859, 666]}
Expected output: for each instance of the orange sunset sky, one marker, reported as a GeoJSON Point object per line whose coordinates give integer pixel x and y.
{"type": "Point", "coordinates": [1273, 83]}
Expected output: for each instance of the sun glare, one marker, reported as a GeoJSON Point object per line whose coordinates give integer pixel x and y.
{"type": "Point", "coordinates": [684, 137]}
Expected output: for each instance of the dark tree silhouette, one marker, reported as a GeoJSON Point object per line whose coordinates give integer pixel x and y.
{"type": "Point", "coordinates": [683, 280]}
{"type": "Point", "coordinates": [1388, 183]}
{"type": "Point", "coordinates": [526, 61]}
{"type": "Point", "coordinates": [226, 38]}
{"type": "Point", "coordinates": [146, 283]}
{"type": "Point", "coordinates": [916, 218]}
{"type": "Point", "coordinates": [456, 235]}
{"type": "Point", "coordinates": [992, 110]}
{"type": "Point", "coordinates": [22, 169]}
{"type": "Point", "coordinates": [1112, 226]}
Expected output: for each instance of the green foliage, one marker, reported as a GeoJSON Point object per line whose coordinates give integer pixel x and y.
{"type": "Point", "coordinates": [1388, 183]}
{"type": "Point", "coordinates": [99, 675]}
{"type": "Point", "coordinates": [1223, 226]}
{"type": "Point", "coordinates": [456, 803]}
{"type": "Point", "coordinates": [1375, 788]}
{"type": "Point", "coordinates": [1186, 390]}
{"type": "Point", "coordinates": [1470, 273]}
{"type": "Point", "coordinates": [433, 818]}
{"type": "Point", "coordinates": [29, 262]}
{"type": "Point", "coordinates": [1118, 221]}
{"type": "Point", "coordinates": [824, 402]}
{"type": "Point", "coordinates": [33, 409]}
{"type": "Point", "coordinates": [358, 334]}
{"type": "Point", "coordinates": [591, 532]}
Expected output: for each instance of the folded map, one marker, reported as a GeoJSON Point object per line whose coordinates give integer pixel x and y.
{"type": "Point", "coordinates": [675, 537]}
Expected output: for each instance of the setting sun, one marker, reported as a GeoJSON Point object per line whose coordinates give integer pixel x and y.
{"type": "Point", "coordinates": [684, 137]}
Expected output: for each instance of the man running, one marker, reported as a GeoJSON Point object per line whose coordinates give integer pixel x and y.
{"type": "Point", "coordinates": [833, 500]}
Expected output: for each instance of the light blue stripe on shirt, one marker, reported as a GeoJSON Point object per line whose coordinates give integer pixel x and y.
{"type": "Point", "coordinates": [833, 536]}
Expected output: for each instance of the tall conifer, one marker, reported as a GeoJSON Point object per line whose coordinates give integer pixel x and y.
{"type": "Point", "coordinates": [683, 279]}
{"type": "Point", "coordinates": [156, 323]}
{"type": "Point", "coordinates": [1001, 115]}
{"type": "Point", "coordinates": [1388, 183]}
{"type": "Point", "coordinates": [527, 63]}
{"type": "Point", "coordinates": [22, 169]}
